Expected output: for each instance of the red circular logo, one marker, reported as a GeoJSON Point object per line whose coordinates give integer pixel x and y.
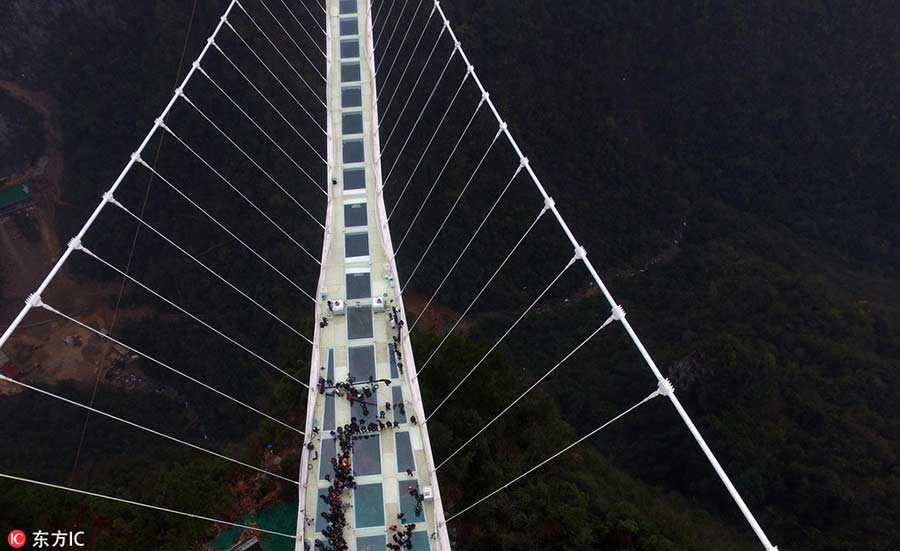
{"type": "Point", "coordinates": [16, 539]}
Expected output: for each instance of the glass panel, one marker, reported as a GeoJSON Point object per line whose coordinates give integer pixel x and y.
{"type": "Point", "coordinates": [369, 505]}
{"type": "Point", "coordinates": [348, 6]}
{"type": "Point", "coordinates": [359, 286]}
{"type": "Point", "coordinates": [356, 244]}
{"type": "Point", "coordinates": [354, 178]}
{"type": "Point", "coordinates": [362, 362]}
{"type": "Point", "coordinates": [371, 543]}
{"type": "Point", "coordinates": [405, 457]}
{"type": "Point", "coordinates": [352, 123]}
{"type": "Point", "coordinates": [397, 406]}
{"type": "Point", "coordinates": [325, 454]}
{"type": "Point", "coordinates": [408, 502]}
{"type": "Point", "coordinates": [349, 48]}
{"type": "Point", "coordinates": [349, 27]}
{"type": "Point", "coordinates": [355, 215]}
{"type": "Point", "coordinates": [359, 322]}
{"type": "Point", "coordinates": [367, 455]}
{"type": "Point", "coordinates": [419, 541]}
{"type": "Point", "coordinates": [328, 422]}
{"type": "Point", "coordinates": [353, 151]}
{"type": "Point", "coordinates": [321, 507]}
{"type": "Point", "coordinates": [350, 72]}
{"type": "Point", "coordinates": [351, 97]}
{"type": "Point", "coordinates": [392, 360]}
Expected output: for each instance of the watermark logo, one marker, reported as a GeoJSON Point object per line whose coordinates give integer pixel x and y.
{"type": "Point", "coordinates": [16, 539]}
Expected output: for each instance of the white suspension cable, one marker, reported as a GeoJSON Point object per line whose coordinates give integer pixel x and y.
{"type": "Point", "coordinates": [233, 341]}
{"type": "Point", "coordinates": [462, 253]}
{"type": "Point", "coordinates": [210, 270]}
{"type": "Point", "coordinates": [229, 232]}
{"type": "Point", "coordinates": [427, 146]}
{"type": "Point", "coordinates": [119, 179]}
{"type": "Point", "coordinates": [403, 41]}
{"type": "Point", "coordinates": [453, 208]}
{"type": "Point", "coordinates": [281, 55]}
{"type": "Point", "coordinates": [502, 337]}
{"type": "Point", "coordinates": [291, 38]}
{"type": "Point", "coordinates": [481, 291]}
{"type": "Point", "coordinates": [144, 505]}
{"type": "Point", "coordinates": [142, 427]}
{"type": "Point", "coordinates": [523, 394]}
{"type": "Point", "coordinates": [409, 96]}
{"type": "Point", "coordinates": [384, 25]}
{"type": "Point", "coordinates": [378, 11]}
{"type": "Point", "coordinates": [430, 191]}
{"type": "Point", "coordinates": [557, 454]}
{"type": "Point", "coordinates": [273, 75]}
{"type": "Point", "coordinates": [164, 365]}
{"type": "Point", "coordinates": [387, 48]}
{"type": "Point", "coordinates": [408, 63]}
{"type": "Point", "coordinates": [236, 190]}
{"type": "Point", "coordinates": [676, 403]}
{"type": "Point", "coordinates": [266, 99]}
{"type": "Point", "coordinates": [302, 26]}
{"type": "Point", "coordinates": [266, 134]}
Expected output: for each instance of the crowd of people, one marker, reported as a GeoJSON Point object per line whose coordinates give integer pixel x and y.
{"type": "Point", "coordinates": [341, 480]}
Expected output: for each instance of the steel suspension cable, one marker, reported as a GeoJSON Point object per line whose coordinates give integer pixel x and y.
{"type": "Point", "coordinates": [229, 232]}
{"type": "Point", "coordinates": [184, 311]}
{"type": "Point", "coordinates": [462, 253]}
{"type": "Point", "coordinates": [302, 26]}
{"type": "Point", "coordinates": [144, 505]}
{"type": "Point", "coordinates": [653, 395]}
{"type": "Point", "coordinates": [210, 270]}
{"type": "Point", "coordinates": [291, 38]}
{"type": "Point", "coordinates": [316, 21]}
{"type": "Point", "coordinates": [164, 365]}
{"type": "Point", "coordinates": [258, 127]}
{"type": "Point", "coordinates": [427, 146]}
{"type": "Point", "coordinates": [144, 428]}
{"type": "Point", "coordinates": [236, 190]}
{"type": "Point", "coordinates": [281, 55]}
{"type": "Point", "coordinates": [406, 68]}
{"type": "Point", "coordinates": [378, 11]}
{"type": "Point", "coordinates": [481, 291]}
{"type": "Point", "coordinates": [265, 98]}
{"type": "Point", "coordinates": [403, 41]}
{"type": "Point", "coordinates": [523, 394]}
{"type": "Point", "coordinates": [447, 162]}
{"type": "Point", "coordinates": [387, 48]}
{"type": "Point", "coordinates": [273, 75]}
{"type": "Point", "coordinates": [409, 96]}
{"type": "Point", "coordinates": [453, 208]}
{"type": "Point", "coordinates": [384, 26]}
{"type": "Point", "coordinates": [502, 337]}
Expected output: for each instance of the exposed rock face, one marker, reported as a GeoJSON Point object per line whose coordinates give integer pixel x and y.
{"type": "Point", "coordinates": [30, 30]}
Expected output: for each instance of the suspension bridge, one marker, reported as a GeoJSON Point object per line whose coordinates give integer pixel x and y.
{"type": "Point", "coordinates": [346, 65]}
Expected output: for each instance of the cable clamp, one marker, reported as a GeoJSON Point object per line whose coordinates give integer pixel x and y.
{"type": "Point", "coordinates": [618, 313]}
{"type": "Point", "coordinates": [75, 244]}
{"type": "Point", "coordinates": [34, 301]}
{"type": "Point", "coordinates": [523, 162]}
{"type": "Point", "coordinates": [665, 388]}
{"type": "Point", "coordinates": [470, 69]}
{"type": "Point", "coordinates": [549, 203]}
{"type": "Point", "coordinates": [502, 128]}
{"type": "Point", "coordinates": [485, 95]}
{"type": "Point", "coordinates": [580, 253]}
{"type": "Point", "coordinates": [110, 198]}
{"type": "Point", "coordinates": [161, 123]}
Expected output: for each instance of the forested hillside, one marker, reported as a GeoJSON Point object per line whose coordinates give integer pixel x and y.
{"type": "Point", "coordinates": [731, 168]}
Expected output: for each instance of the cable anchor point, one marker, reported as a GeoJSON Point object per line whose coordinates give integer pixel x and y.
{"type": "Point", "coordinates": [34, 301]}
{"type": "Point", "coordinates": [618, 313]}
{"type": "Point", "coordinates": [549, 203]}
{"type": "Point", "coordinates": [665, 388]}
{"type": "Point", "coordinates": [75, 244]}
{"type": "Point", "coordinates": [580, 253]}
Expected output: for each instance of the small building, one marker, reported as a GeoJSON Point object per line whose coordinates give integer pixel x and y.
{"type": "Point", "coordinates": [250, 545]}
